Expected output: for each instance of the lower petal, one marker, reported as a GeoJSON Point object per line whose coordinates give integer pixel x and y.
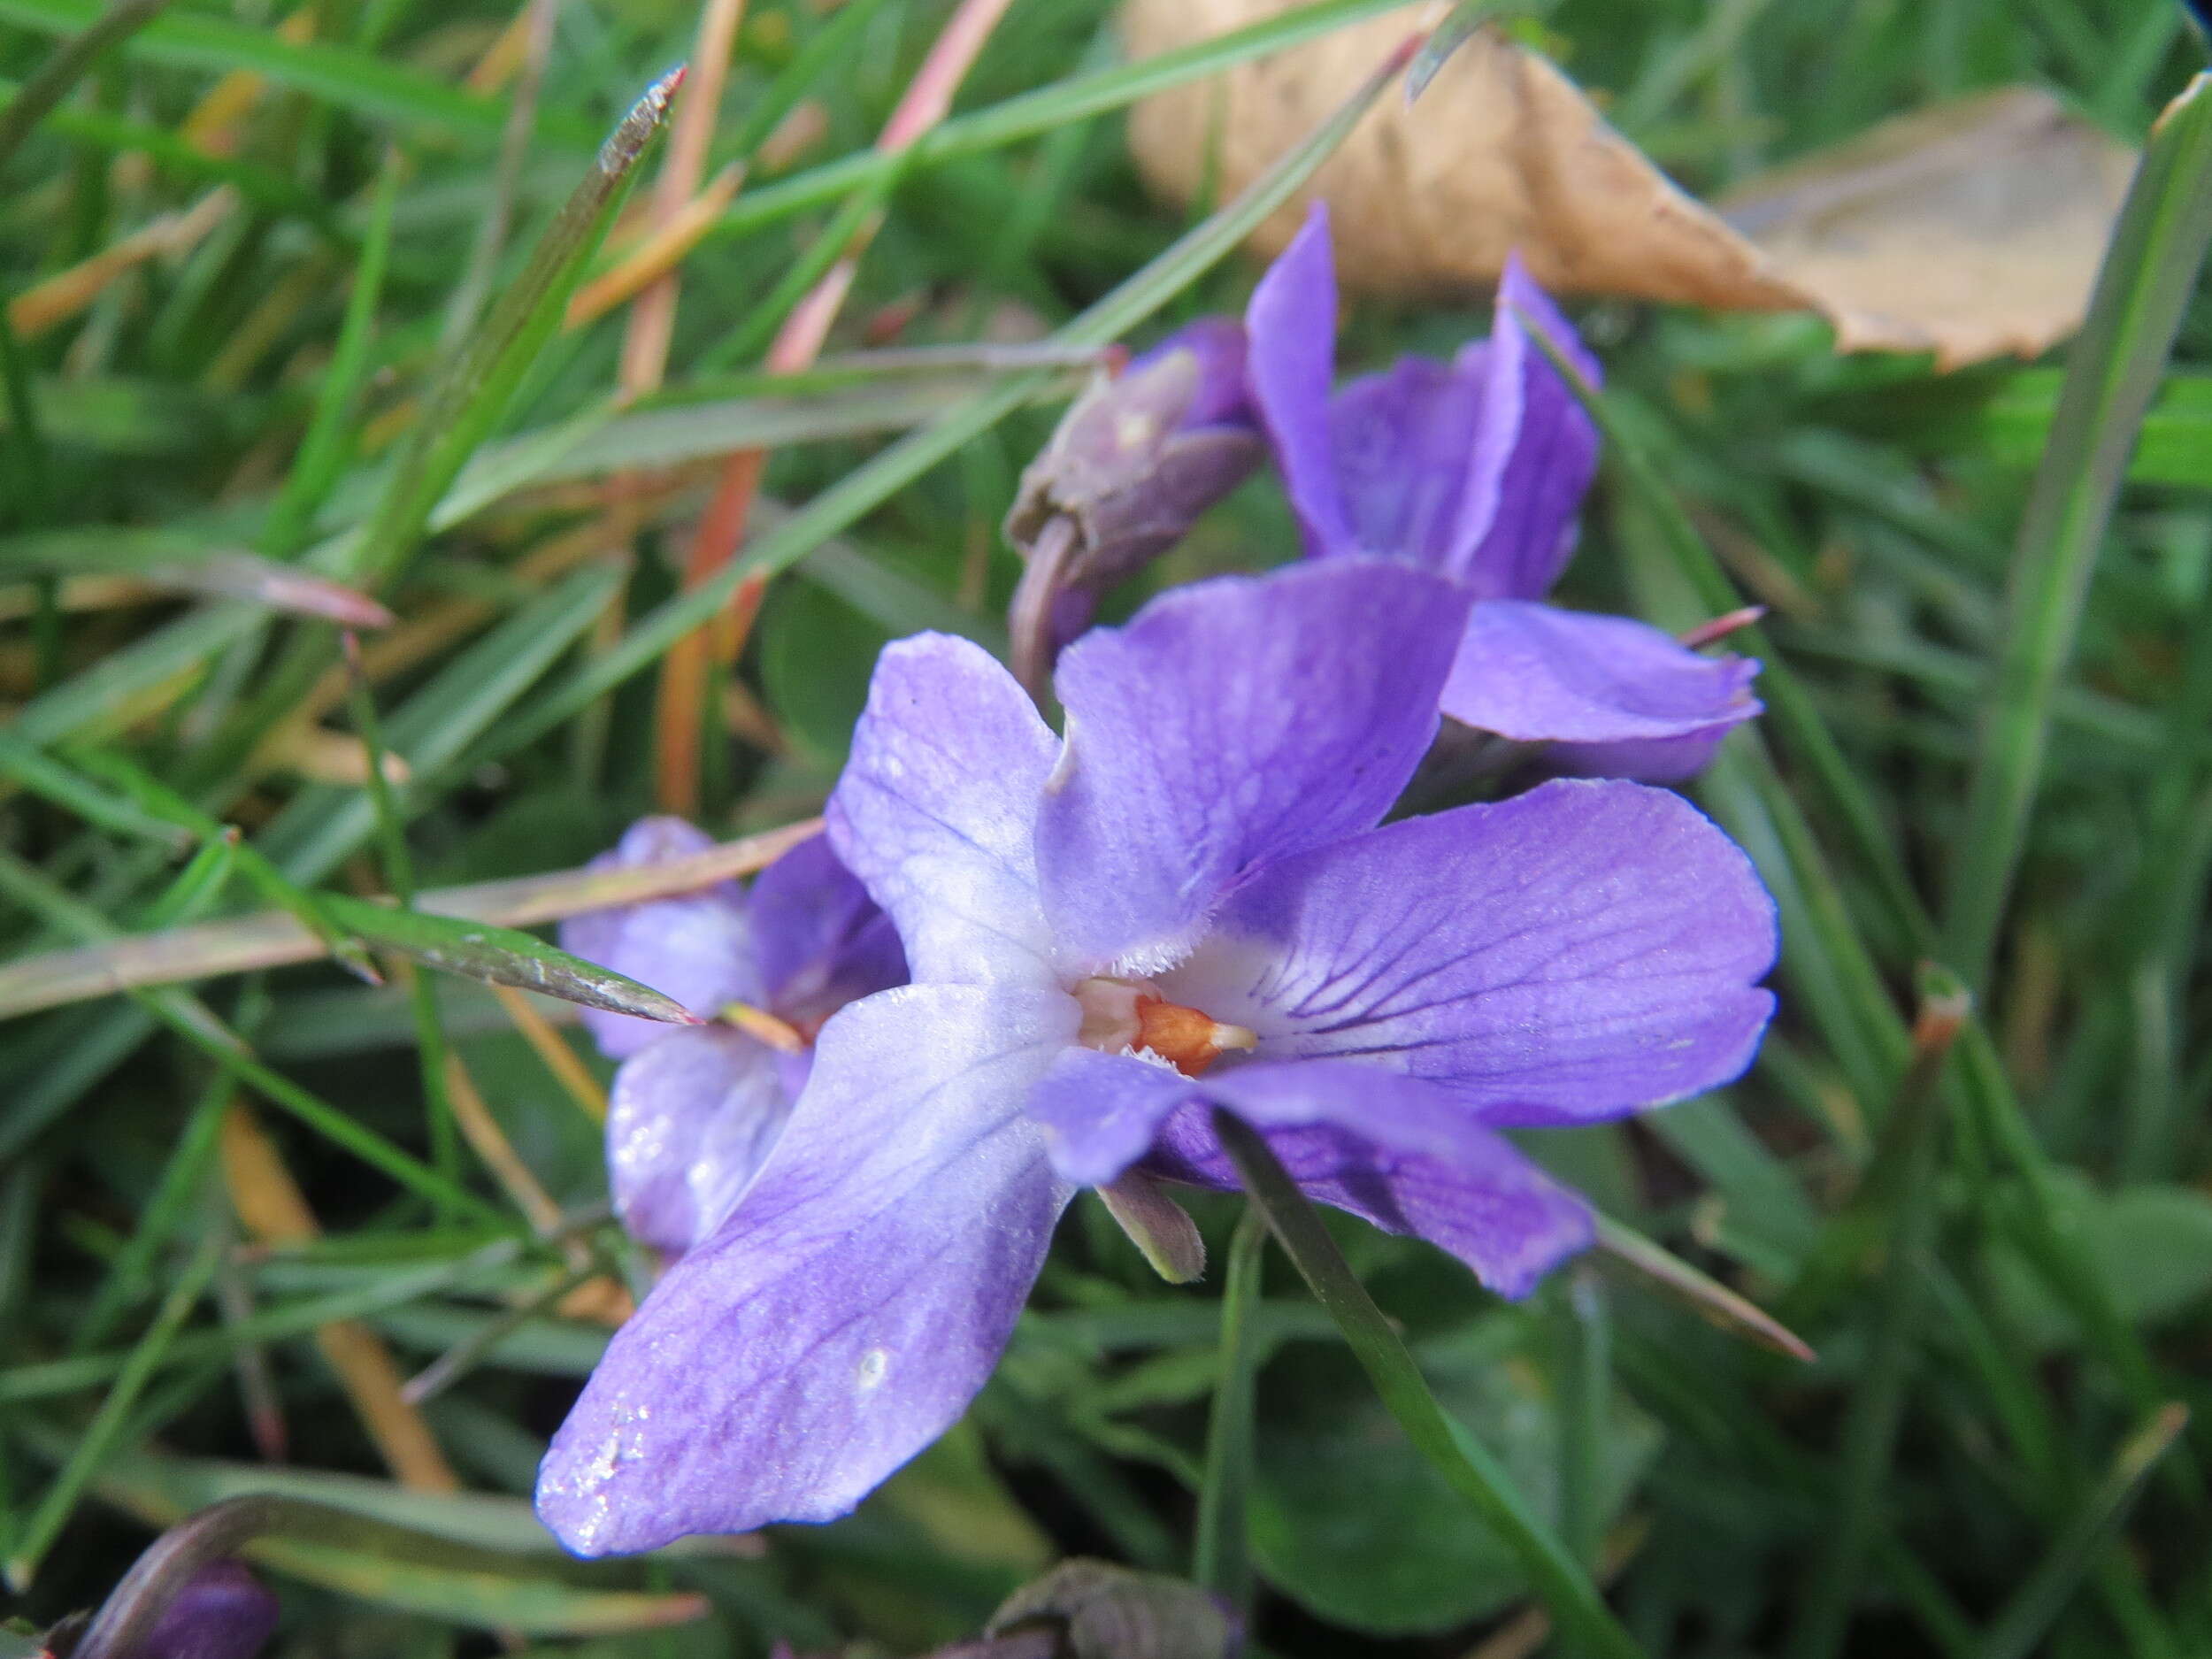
{"type": "Point", "coordinates": [1612, 689]}
{"type": "Point", "coordinates": [1576, 953]}
{"type": "Point", "coordinates": [847, 1310]}
{"type": "Point", "coordinates": [1100, 1112]}
{"type": "Point", "coordinates": [1646, 760]}
{"type": "Point", "coordinates": [1487, 1204]}
{"type": "Point", "coordinates": [690, 1121]}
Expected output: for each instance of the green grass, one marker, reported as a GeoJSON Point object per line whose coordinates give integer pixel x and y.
{"type": "Point", "coordinates": [1989, 672]}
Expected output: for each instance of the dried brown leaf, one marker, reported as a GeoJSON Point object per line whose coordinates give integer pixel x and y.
{"type": "Point", "coordinates": [1970, 229]}
{"type": "Point", "coordinates": [1967, 230]}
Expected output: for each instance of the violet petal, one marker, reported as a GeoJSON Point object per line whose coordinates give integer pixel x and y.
{"type": "Point", "coordinates": [1570, 955]}
{"type": "Point", "coordinates": [1232, 722]}
{"type": "Point", "coordinates": [1538, 674]}
{"type": "Point", "coordinates": [696, 948]}
{"type": "Point", "coordinates": [847, 1310]}
{"type": "Point", "coordinates": [822, 941]}
{"type": "Point", "coordinates": [1489, 1205]}
{"type": "Point", "coordinates": [1399, 443]}
{"type": "Point", "coordinates": [1100, 1112]}
{"type": "Point", "coordinates": [689, 1120]}
{"type": "Point", "coordinates": [1646, 760]}
{"type": "Point", "coordinates": [222, 1612]}
{"type": "Point", "coordinates": [1534, 453]}
{"type": "Point", "coordinates": [1290, 326]}
{"type": "Point", "coordinates": [936, 811]}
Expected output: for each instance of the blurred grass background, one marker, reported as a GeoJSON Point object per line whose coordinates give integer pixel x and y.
{"type": "Point", "coordinates": [2002, 1310]}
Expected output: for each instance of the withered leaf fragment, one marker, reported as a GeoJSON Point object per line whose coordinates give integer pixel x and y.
{"type": "Point", "coordinates": [1109, 1612]}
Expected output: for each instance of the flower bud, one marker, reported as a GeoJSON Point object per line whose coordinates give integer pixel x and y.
{"type": "Point", "coordinates": [1134, 463]}
{"type": "Point", "coordinates": [223, 1613]}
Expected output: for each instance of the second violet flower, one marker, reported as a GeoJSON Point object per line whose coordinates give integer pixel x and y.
{"type": "Point", "coordinates": [694, 1110]}
{"type": "Point", "coordinates": [1476, 469]}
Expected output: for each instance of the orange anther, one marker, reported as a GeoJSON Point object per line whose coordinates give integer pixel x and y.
{"type": "Point", "coordinates": [1185, 1039]}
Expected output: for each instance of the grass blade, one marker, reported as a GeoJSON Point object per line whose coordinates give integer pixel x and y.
{"type": "Point", "coordinates": [194, 1022]}
{"type": "Point", "coordinates": [351, 79]}
{"type": "Point", "coordinates": [2150, 273]}
{"type": "Point", "coordinates": [59, 73]}
{"type": "Point", "coordinates": [460, 413]}
{"type": "Point", "coordinates": [1869, 1434]}
{"type": "Point", "coordinates": [275, 939]}
{"type": "Point", "coordinates": [329, 436]}
{"type": "Point", "coordinates": [1700, 1291]}
{"type": "Point", "coordinates": [101, 1435]}
{"type": "Point", "coordinates": [503, 955]}
{"type": "Point", "coordinates": [1034, 114]}
{"type": "Point", "coordinates": [2021, 1626]}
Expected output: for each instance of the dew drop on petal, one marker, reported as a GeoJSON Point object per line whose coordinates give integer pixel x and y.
{"type": "Point", "coordinates": [874, 1365]}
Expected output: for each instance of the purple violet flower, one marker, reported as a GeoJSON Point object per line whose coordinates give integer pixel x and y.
{"type": "Point", "coordinates": [222, 1612]}
{"type": "Point", "coordinates": [1475, 470]}
{"type": "Point", "coordinates": [1186, 904]}
{"type": "Point", "coordinates": [1135, 462]}
{"type": "Point", "coordinates": [694, 1112]}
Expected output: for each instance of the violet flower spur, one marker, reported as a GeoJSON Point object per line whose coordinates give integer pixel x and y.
{"type": "Point", "coordinates": [1185, 904]}
{"type": "Point", "coordinates": [694, 1110]}
{"type": "Point", "coordinates": [1476, 469]}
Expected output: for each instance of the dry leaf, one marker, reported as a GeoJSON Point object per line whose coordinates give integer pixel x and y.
{"type": "Point", "coordinates": [1969, 230]}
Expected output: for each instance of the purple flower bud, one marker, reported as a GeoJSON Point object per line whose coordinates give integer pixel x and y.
{"type": "Point", "coordinates": [1135, 463]}
{"type": "Point", "coordinates": [223, 1613]}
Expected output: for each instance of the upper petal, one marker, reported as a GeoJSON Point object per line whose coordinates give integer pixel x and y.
{"type": "Point", "coordinates": [1486, 1203]}
{"type": "Point", "coordinates": [1232, 722]}
{"type": "Point", "coordinates": [695, 947]}
{"type": "Point", "coordinates": [1290, 330]}
{"type": "Point", "coordinates": [847, 1310]}
{"type": "Point", "coordinates": [822, 941]}
{"type": "Point", "coordinates": [1400, 441]}
{"type": "Point", "coordinates": [936, 811]}
{"type": "Point", "coordinates": [689, 1120]}
{"type": "Point", "coordinates": [1535, 450]}
{"type": "Point", "coordinates": [1538, 674]}
{"type": "Point", "coordinates": [1575, 953]}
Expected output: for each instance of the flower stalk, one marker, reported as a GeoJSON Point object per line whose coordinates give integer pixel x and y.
{"type": "Point", "coordinates": [1559, 1580]}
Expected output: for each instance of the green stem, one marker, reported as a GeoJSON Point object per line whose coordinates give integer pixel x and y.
{"type": "Point", "coordinates": [1463, 1461]}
